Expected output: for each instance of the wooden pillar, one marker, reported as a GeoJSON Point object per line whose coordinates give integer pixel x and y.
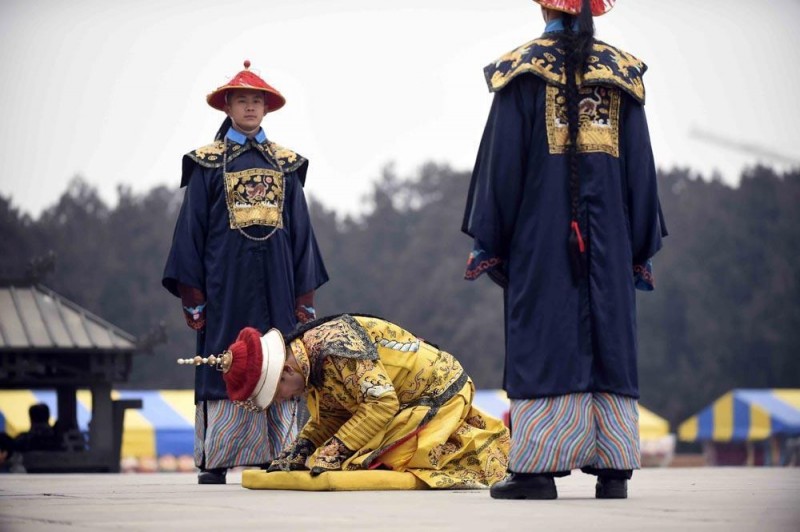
{"type": "Point", "coordinates": [101, 428]}
{"type": "Point", "coordinates": [775, 450]}
{"type": "Point", "coordinates": [67, 404]}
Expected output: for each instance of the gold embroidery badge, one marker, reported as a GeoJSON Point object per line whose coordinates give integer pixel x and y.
{"type": "Point", "coordinates": [598, 120]}
{"type": "Point", "coordinates": [255, 197]}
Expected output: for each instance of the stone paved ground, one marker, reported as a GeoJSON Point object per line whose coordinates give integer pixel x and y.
{"type": "Point", "coordinates": [759, 499]}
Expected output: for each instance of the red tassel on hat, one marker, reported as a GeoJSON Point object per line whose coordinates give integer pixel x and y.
{"type": "Point", "coordinates": [245, 370]}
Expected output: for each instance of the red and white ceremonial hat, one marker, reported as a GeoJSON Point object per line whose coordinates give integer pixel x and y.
{"type": "Point", "coordinates": [573, 7]}
{"type": "Point", "coordinates": [255, 367]}
{"type": "Point", "coordinates": [247, 80]}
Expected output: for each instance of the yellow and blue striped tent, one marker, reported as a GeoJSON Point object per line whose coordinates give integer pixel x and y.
{"type": "Point", "coordinates": [496, 403]}
{"type": "Point", "coordinates": [746, 415]}
{"type": "Point", "coordinates": [164, 425]}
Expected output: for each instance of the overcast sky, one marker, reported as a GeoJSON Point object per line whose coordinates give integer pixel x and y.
{"type": "Point", "coordinates": [115, 90]}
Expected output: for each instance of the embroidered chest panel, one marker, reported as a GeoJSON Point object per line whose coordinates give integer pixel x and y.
{"type": "Point", "coordinates": [255, 197]}
{"type": "Point", "coordinates": [599, 111]}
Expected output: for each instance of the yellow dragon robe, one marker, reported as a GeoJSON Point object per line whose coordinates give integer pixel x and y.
{"type": "Point", "coordinates": [383, 398]}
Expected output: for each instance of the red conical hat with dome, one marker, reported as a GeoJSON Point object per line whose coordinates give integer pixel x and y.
{"type": "Point", "coordinates": [243, 374]}
{"type": "Point", "coordinates": [251, 367]}
{"type": "Point", "coordinates": [255, 367]}
{"type": "Point", "coordinates": [573, 7]}
{"type": "Point", "coordinates": [250, 81]}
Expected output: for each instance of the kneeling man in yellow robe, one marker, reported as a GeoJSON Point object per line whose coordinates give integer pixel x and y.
{"type": "Point", "coordinates": [378, 398]}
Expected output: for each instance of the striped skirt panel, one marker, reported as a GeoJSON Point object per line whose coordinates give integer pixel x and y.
{"type": "Point", "coordinates": [568, 432]}
{"type": "Point", "coordinates": [227, 435]}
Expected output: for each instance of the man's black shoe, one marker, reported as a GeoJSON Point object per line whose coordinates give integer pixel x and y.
{"type": "Point", "coordinates": [212, 476]}
{"type": "Point", "coordinates": [525, 486]}
{"type": "Point", "coordinates": [611, 488]}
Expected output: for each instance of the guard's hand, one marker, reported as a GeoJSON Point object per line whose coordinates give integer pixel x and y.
{"type": "Point", "coordinates": [304, 308]}
{"type": "Point", "coordinates": [195, 316]}
{"type": "Point", "coordinates": [194, 306]}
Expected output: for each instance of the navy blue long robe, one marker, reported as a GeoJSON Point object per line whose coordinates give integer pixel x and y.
{"type": "Point", "coordinates": [246, 283]}
{"type": "Point", "coordinates": [562, 338]}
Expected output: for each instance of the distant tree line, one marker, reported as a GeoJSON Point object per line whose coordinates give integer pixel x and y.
{"type": "Point", "coordinates": [725, 313]}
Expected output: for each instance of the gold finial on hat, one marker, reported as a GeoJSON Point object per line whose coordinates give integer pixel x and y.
{"type": "Point", "coordinates": [222, 362]}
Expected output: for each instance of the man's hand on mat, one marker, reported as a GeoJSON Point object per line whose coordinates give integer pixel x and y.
{"type": "Point", "coordinates": [317, 471]}
{"type": "Point", "coordinates": [294, 457]}
{"type": "Point", "coordinates": [280, 465]}
{"type": "Point", "coordinates": [331, 457]}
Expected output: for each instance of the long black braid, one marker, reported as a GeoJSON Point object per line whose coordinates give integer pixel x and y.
{"type": "Point", "coordinates": [223, 129]}
{"type": "Point", "coordinates": [578, 46]}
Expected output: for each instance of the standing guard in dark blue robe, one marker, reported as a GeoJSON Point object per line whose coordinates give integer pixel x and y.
{"type": "Point", "coordinates": [243, 255]}
{"type": "Point", "coordinates": [564, 211]}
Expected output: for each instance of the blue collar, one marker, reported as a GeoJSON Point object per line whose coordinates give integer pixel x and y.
{"type": "Point", "coordinates": [240, 138]}
{"type": "Point", "coordinates": [557, 24]}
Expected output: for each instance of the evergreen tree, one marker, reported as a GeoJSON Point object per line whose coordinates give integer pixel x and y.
{"type": "Point", "coordinates": [724, 315]}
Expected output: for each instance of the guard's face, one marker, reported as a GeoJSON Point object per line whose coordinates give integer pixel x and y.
{"type": "Point", "coordinates": [246, 108]}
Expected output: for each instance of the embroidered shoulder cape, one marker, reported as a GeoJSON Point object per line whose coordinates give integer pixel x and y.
{"type": "Point", "coordinates": [212, 156]}
{"type": "Point", "coordinates": [542, 57]}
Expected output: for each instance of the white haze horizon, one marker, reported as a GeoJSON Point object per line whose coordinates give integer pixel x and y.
{"type": "Point", "coordinates": [115, 92]}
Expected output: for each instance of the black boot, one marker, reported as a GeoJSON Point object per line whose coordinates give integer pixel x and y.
{"type": "Point", "coordinates": [611, 488]}
{"type": "Point", "coordinates": [525, 486]}
{"type": "Point", "coordinates": [212, 476]}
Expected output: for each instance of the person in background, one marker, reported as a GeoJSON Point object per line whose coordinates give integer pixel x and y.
{"type": "Point", "coordinates": [41, 436]}
{"type": "Point", "coordinates": [564, 214]}
{"type": "Point", "coordinates": [10, 459]}
{"type": "Point", "coordinates": [243, 254]}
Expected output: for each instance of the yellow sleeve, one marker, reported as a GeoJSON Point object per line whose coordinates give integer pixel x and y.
{"type": "Point", "coordinates": [368, 385]}
{"type": "Point", "coordinates": [326, 424]}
